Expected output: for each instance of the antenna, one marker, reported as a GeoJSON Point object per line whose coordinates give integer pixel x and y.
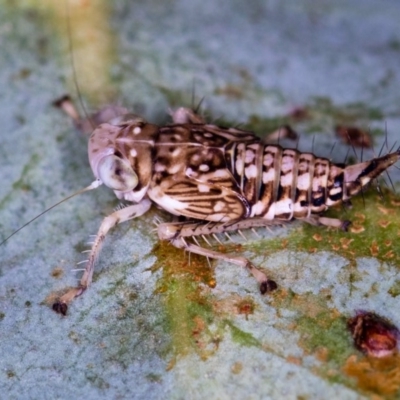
{"type": "Point", "coordinates": [94, 185]}
{"type": "Point", "coordinates": [72, 57]}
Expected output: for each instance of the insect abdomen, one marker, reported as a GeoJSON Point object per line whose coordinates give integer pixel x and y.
{"type": "Point", "coordinates": [291, 184]}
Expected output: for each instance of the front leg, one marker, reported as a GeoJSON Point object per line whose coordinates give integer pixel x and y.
{"type": "Point", "coordinates": [109, 222]}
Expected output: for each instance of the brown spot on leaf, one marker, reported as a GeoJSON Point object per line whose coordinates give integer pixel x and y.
{"type": "Point", "coordinates": [354, 136]}
{"type": "Point", "coordinates": [294, 360]}
{"type": "Point", "coordinates": [389, 254]}
{"type": "Point", "coordinates": [246, 307]}
{"type": "Point", "coordinates": [212, 283]}
{"type": "Point", "coordinates": [380, 376]}
{"type": "Point", "coordinates": [357, 228]}
{"type": "Point", "coordinates": [384, 223]}
{"type": "Point", "coordinates": [299, 113]}
{"type": "Point", "coordinates": [360, 216]}
{"type": "Point", "coordinates": [345, 242]}
{"type": "Point", "coordinates": [383, 210]}
{"type": "Point", "coordinates": [317, 237]}
{"type": "Point", "coordinates": [374, 249]}
{"type": "Point", "coordinates": [57, 272]}
{"type": "Point", "coordinates": [237, 368]}
{"type": "Point", "coordinates": [322, 354]}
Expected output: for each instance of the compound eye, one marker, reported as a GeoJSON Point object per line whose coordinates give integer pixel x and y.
{"type": "Point", "coordinates": [117, 173]}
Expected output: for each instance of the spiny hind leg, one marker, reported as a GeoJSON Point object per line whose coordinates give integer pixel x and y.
{"type": "Point", "coordinates": [125, 214]}
{"type": "Point", "coordinates": [266, 285]}
{"type": "Point", "coordinates": [176, 232]}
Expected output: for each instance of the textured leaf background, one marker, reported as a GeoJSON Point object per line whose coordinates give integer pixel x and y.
{"type": "Point", "coordinates": [154, 325]}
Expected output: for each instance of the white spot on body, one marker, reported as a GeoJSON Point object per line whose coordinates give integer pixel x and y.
{"type": "Point", "coordinates": [287, 164]}
{"type": "Point", "coordinates": [174, 169]}
{"type": "Point", "coordinates": [158, 167]}
{"type": "Point", "coordinates": [335, 191]}
{"type": "Point", "coordinates": [219, 206]}
{"type": "Point", "coordinates": [249, 157]}
{"type": "Point", "coordinates": [219, 173]}
{"type": "Point", "coordinates": [283, 207]}
{"type": "Point", "coordinates": [204, 168]}
{"type": "Point", "coordinates": [303, 181]}
{"type": "Point", "coordinates": [133, 153]}
{"type": "Point", "coordinates": [271, 212]}
{"type": "Point", "coordinates": [239, 166]}
{"type": "Point", "coordinates": [268, 159]}
{"type": "Point", "coordinates": [268, 176]}
{"type": "Point", "coordinates": [257, 209]}
{"type": "Point", "coordinates": [195, 158]}
{"type": "Point", "coordinates": [203, 188]}
{"type": "Point", "coordinates": [137, 130]}
{"type": "Point", "coordinates": [287, 180]}
{"type": "Point", "coordinates": [176, 152]}
{"type": "Point", "coordinates": [251, 171]}
{"type": "Point", "coordinates": [190, 173]}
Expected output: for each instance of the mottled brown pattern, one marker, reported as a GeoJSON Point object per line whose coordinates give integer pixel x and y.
{"type": "Point", "coordinates": [226, 179]}
{"type": "Point", "coordinates": [210, 173]}
{"type": "Point", "coordinates": [287, 182]}
{"type": "Point", "coordinates": [270, 179]}
{"type": "Point", "coordinates": [319, 184]}
{"type": "Point", "coordinates": [303, 187]}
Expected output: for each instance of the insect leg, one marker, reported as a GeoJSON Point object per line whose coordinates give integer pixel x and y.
{"type": "Point", "coordinates": [266, 284]}
{"type": "Point", "coordinates": [109, 222]}
{"type": "Point", "coordinates": [330, 222]}
{"type": "Point", "coordinates": [88, 124]}
{"type": "Point", "coordinates": [184, 115]}
{"type": "Point", "coordinates": [176, 232]}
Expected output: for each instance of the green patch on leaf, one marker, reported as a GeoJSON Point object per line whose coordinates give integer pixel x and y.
{"type": "Point", "coordinates": [241, 337]}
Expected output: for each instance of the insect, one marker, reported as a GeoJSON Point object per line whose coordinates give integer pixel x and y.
{"type": "Point", "coordinates": [219, 179]}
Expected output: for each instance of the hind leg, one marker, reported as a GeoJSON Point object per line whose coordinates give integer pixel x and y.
{"type": "Point", "coordinates": [177, 232]}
